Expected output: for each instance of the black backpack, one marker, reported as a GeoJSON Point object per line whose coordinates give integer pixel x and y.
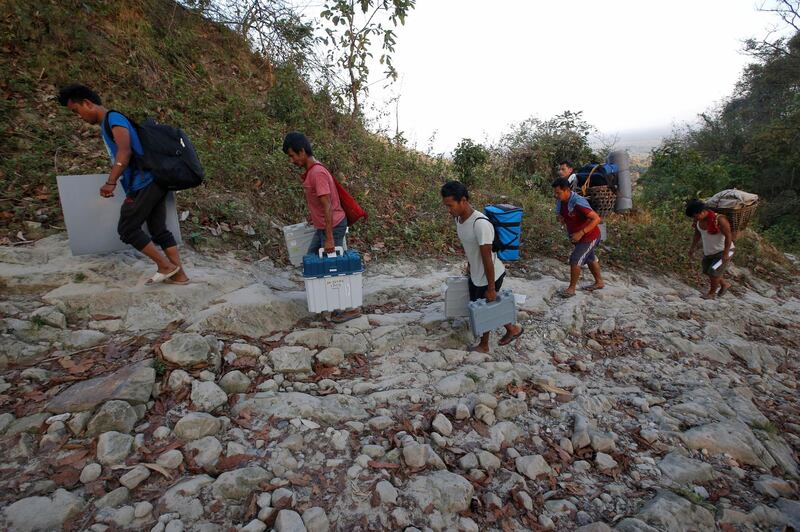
{"type": "Point", "coordinates": [168, 154]}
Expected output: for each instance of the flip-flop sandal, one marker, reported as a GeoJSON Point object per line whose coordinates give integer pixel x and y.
{"type": "Point", "coordinates": [722, 291]}
{"type": "Point", "coordinates": [173, 281]}
{"type": "Point", "coordinates": [503, 341]}
{"type": "Point", "coordinates": [474, 349]}
{"type": "Point", "coordinates": [566, 295]}
{"type": "Point", "coordinates": [342, 318]}
{"type": "Point", "coordinates": [161, 277]}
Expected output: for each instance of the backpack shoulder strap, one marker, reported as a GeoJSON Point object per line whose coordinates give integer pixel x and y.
{"type": "Point", "coordinates": [482, 217]}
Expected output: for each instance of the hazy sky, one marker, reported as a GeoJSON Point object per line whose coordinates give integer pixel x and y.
{"type": "Point", "coordinates": [469, 68]}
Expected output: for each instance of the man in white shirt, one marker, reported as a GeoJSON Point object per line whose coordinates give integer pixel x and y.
{"type": "Point", "coordinates": [567, 171]}
{"type": "Point", "coordinates": [476, 233]}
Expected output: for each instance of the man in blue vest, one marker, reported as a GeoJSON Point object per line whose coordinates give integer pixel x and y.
{"type": "Point", "coordinates": [145, 200]}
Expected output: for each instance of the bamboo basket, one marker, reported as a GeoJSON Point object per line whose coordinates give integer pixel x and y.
{"type": "Point", "coordinates": [739, 217]}
{"type": "Point", "coordinates": [602, 199]}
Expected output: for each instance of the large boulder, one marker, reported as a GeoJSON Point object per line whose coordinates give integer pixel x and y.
{"type": "Point", "coordinates": [291, 359]}
{"type": "Point", "coordinates": [186, 349]}
{"type": "Point", "coordinates": [183, 497]}
{"type": "Point", "coordinates": [684, 470]}
{"type": "Point", "coordinates": [239, 483]}
{"type": "Point", "coordinates": [447, 492]}
{"type": "Point", "coordinates": [113, 447]}
{"type": "Point", "coordinates": [671, 512]}
{"type": "Point", "coordinates": [196, 425]}
{"type": "Point", "coordinates": [730, 437]}
{"type": "Point", "coordinates": [133, 384]}
{"type": "Point", "coordinates": [34, 514]}
{"type": "Point", "coordinates": [328, 409]}
{"type": "Point", "coordinates": [113, 415]}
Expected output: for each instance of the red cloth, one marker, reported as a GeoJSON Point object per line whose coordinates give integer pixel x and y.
{"type": "Point", "coordinates": [317, 181]}
{"type": "Point", "coordinates": [577, 220]}
{"type": "Point", "coordinates": [712, 228]}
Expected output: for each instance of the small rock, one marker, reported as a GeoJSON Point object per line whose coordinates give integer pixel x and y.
{"type": "Point", "coordinates": [532, 466]}
{"type": "Point", "coordinates": [90, 473]}
{"type": "Point", "coordinates": [485, 414]}
{"type": "Point", "coordinates": [289, 521]}
{"type": "Point", "coordinates": [245, 350]}
{"type": "Point", "coordinates": [442, 425]}
{"type": "Point", "coordinates": [205, 451]}
{"type": "Point", "coordinates": [462, 412]}
{"type": "Point", "coordinates": [196, 425]}
{"type": "Point", "coordinates": [283, 498]}
{"type": "Point", "coordinates": [488, 461]}
{"type": "Point", "coordinates": [134, 477]}
{"type": "Point", "coordinates": [316, 520]}
{"type": "Point", "coordinates": [116, 416]}
{"type": "Point", "coordinates": [386, 492]}
{"type": "Point", "coordinates": [114, 498]}
{"type": "Point", "coordinates": [170, 459]}
{"type": "Point", "coordinates": [186, 349]}
{"type": "Point", "coordinates": [605, 462]}
{"type": "Point", "coordinates": [254, 526]}
{"type": "Point", "coordinates": [207, 396]}
{"type": "Point", "coordinates": [332, 356]}
{"type": "Point", "coordinates": [178, 378]}
{"type": "Point", "coordinates": [510, 408]}
{"type": "Point", "coordinates": [142, 510]}
{"type": "Point", "coordinates": [113, 447]}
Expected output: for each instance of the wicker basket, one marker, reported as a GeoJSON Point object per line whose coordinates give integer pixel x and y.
{"type": "Point", "coordinates": [602, 199]}
{"type": "Point", "coordinates": [738, 217]}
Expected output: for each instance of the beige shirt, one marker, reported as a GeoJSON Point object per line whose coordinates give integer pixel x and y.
{"type": "Point", "coordinates": [473, 234]}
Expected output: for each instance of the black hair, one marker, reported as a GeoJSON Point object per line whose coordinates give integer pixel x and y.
{"type": "Point", "coordinates": [456, 190]}
{"type": "Point", "coordinates": [561, 182]}
{"type": "Point", "coordinates": [694, 206]}
{"type": "Point", "coordinates": [297, 141]}
{"type": "Point", "coordinates": [77, 93]}
{"type": "Point", "coordinates": [566, 162]}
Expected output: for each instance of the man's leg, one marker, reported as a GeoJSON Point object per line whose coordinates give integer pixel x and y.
{"type": "Point", "coordinates": [594, 267]}
{"type": "Point", "coordinates": [574, 277]}
{"type": "Point", "coordinates": [713, 286]}
{"type": "Point", "coordinates": [163, 237]}
{"type": "Point", "coordinates": [133, 214]}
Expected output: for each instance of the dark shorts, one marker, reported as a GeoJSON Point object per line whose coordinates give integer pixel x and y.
{"type": "Point", "coordinates": [318, 240]}
{"type": "Point", "coordinates": [583, 253]}
{"type": "Point", "coordinates": [709, 261]}
{"type": "Point", "coordinates": [479, 292]}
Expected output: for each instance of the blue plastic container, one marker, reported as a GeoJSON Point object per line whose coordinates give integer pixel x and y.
{"type": "Point", "coordinates": [322, 265]}
{"type": "Point", "coordinates": [507, 222]}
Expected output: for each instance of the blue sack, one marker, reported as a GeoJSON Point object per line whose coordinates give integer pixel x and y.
{"type": "Point", "coordinates": [322, 265]}
{"type": "Point", "coordinates": [507, 222]}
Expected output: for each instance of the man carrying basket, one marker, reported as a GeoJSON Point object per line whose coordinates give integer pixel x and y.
{"type": "Point", "coordinates": [714, 230]}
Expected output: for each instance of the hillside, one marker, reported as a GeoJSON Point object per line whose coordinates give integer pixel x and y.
{"type": "Point", "coordinates": [154, 58]}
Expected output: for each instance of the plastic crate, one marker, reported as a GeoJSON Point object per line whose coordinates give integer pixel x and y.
{"type": "Point", "coordinates": [298, 238]}
{"type": "Point", "coordinates": [456, 297]}
{"type": "Point", "coordinates": [485, 317]}
{"type": "Point", "coordinates": [333, 282]}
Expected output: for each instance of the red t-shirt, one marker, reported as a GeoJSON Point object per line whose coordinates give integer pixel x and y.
{"type": "Point", "coordinates": [578, 219]}
{"type": "Point", "coordinates": [317, 181]}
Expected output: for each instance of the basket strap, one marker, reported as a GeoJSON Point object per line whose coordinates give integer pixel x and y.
{"type": "Point", "coordinates": [585, 186]}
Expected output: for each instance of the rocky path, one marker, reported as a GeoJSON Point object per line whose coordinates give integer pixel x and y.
{"type": "Point", "coordinates": [223, 405]}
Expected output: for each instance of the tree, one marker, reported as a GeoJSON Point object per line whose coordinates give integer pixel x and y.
{"type": "Point", "coordinates": [533, 147]}
{"type": "Point", "coordinates": [273, 27]}
{"type": "Point", "coordinates": [354, 24]}
{"type": "Point", "coordinates": [467, 157]}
